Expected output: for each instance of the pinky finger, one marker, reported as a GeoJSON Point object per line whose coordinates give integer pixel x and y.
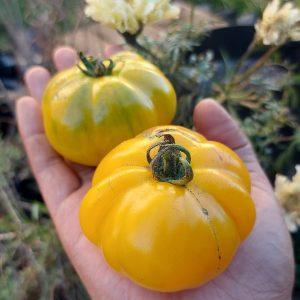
{"type": "Point", "coordinates": [48, 167]}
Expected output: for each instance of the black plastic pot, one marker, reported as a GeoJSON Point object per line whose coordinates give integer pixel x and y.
{"type": "Point", "coordinates": [7, 125]}
{"type": "Point", "coordinates": [9, 80]}
{"type": "Point", "coordinates": [28, 190]}
{"type": "Point", "coordinates": [234, 41]}
{"type": "Point", "coordinates": [9, 73]}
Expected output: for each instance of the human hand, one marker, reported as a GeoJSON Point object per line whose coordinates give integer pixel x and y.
{"type": "Point", "coordinates": [263, 267]}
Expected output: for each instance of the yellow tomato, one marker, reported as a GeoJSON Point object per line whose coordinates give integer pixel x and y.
{"type": "Point", "coordinates": [175, 223]}
{"type": "Point", "coordinates": [90, 109]}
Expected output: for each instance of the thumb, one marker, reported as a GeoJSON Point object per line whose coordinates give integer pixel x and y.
{"type": "Point", "coordinates": [213, 121]}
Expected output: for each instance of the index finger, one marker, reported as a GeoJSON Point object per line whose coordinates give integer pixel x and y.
{"type": "Point", "coordinates": [37, 78]}
{"type": "Point", "coordinates": [64, 58]}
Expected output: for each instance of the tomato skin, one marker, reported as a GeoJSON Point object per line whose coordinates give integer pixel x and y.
{"type": "Point", "coordinates": [86, 117]}
{"type": "Point", "coordinates": [162, 236]}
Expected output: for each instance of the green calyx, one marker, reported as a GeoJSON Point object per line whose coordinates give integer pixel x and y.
{"type": "Point", "coordinates": [168, 165]}
{"type": "Point", "coordinates": [95, 67]}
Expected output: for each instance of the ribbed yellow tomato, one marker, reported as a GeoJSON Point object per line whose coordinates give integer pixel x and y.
{"type": "Point", "coordinates": [173, 224]}
{"type": "Point", "coordinates": [89, 110]}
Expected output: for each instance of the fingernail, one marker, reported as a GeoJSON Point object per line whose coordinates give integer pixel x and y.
{"type": "Point", "coordinates": [64, 57]}
{"type": "Point", "coordinates": [36, 79]}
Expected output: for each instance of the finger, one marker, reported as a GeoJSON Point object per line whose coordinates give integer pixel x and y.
{"type": "Point", "coordinates": [64, 58]}
{"type": "Point", "coordinates": [112, 49]}
{"type": "Point", "coordinates": [56, 180]}
{"type": "Point", "coordinates": [85, 173]}
{"type": "Point", "coordinates": [36, 79]}
{"type": "Point", "coordinates": [213, 121]}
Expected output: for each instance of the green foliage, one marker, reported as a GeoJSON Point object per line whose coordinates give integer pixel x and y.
{"type": "Point", "coordinates": [190, 73]}
{"type": "Point", "coordinates": [32, 262]}
{"type": "Point", "coordinates": [263, 103]}
{"type": "Point", "coordinates": [235, 5]}
{"type": "Point", "coordinates": [18, 16]}
{"type": "Point", "coordinates": [10, 154]}
{"type": "Point", "coordinates": [28, 12]}
{"type": "Point", "coordinates": [264, 128]}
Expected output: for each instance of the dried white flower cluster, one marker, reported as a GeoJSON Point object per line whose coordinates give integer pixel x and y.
{"type": "Point", "coordinates": [288, 193]}
{"type": "Point", "coordinates": [129, 15]}
{"type": "Point", "coordinates": [279, 24]}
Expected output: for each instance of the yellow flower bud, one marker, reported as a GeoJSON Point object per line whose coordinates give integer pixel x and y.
{"type": "Point", "coordinates": [279, 24]}
{"type": "Point", "coordinates": [128, 16]}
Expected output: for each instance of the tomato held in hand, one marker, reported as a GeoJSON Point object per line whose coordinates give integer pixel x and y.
{"type": "Point", "coordinates": [91, 108]}
{"type": "Point", "coordinates": [169, 208]}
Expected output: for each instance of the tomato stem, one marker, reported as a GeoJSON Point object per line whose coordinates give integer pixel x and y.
{"type": "Point", "coordinates": [168, 165]}
{"type": "Point", "coordinates": [95, 67]}
{"type": "Point", "coordinates": [131, 39]}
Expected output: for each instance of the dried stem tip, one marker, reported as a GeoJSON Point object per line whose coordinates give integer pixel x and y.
{"type": "Point", "coordinates": [168, 165]}
{"type": "Point", "coordinates": [94, 67]}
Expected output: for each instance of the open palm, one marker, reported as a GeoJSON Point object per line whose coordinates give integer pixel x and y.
{"type": "Point", "coordinates": [263, 267]}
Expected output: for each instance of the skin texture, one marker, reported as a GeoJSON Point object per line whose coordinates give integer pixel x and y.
{"type": "Point", "coordinates": [164, 236]}
{"type": "Point", "coordinates": [263, 268]}
{"type": "Point", "coordinates": [106, 110]}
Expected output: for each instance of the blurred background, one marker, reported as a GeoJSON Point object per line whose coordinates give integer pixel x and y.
{"type": "Point", "coordinates": [32, 262]}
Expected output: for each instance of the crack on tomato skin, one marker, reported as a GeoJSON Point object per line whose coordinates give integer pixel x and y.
{"type": "Point", "coordinates": [158, 134]}
{"type": "Point", "coordinates": [205, 211]}
{"type": "Point", "coordinates": [211, 227]}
